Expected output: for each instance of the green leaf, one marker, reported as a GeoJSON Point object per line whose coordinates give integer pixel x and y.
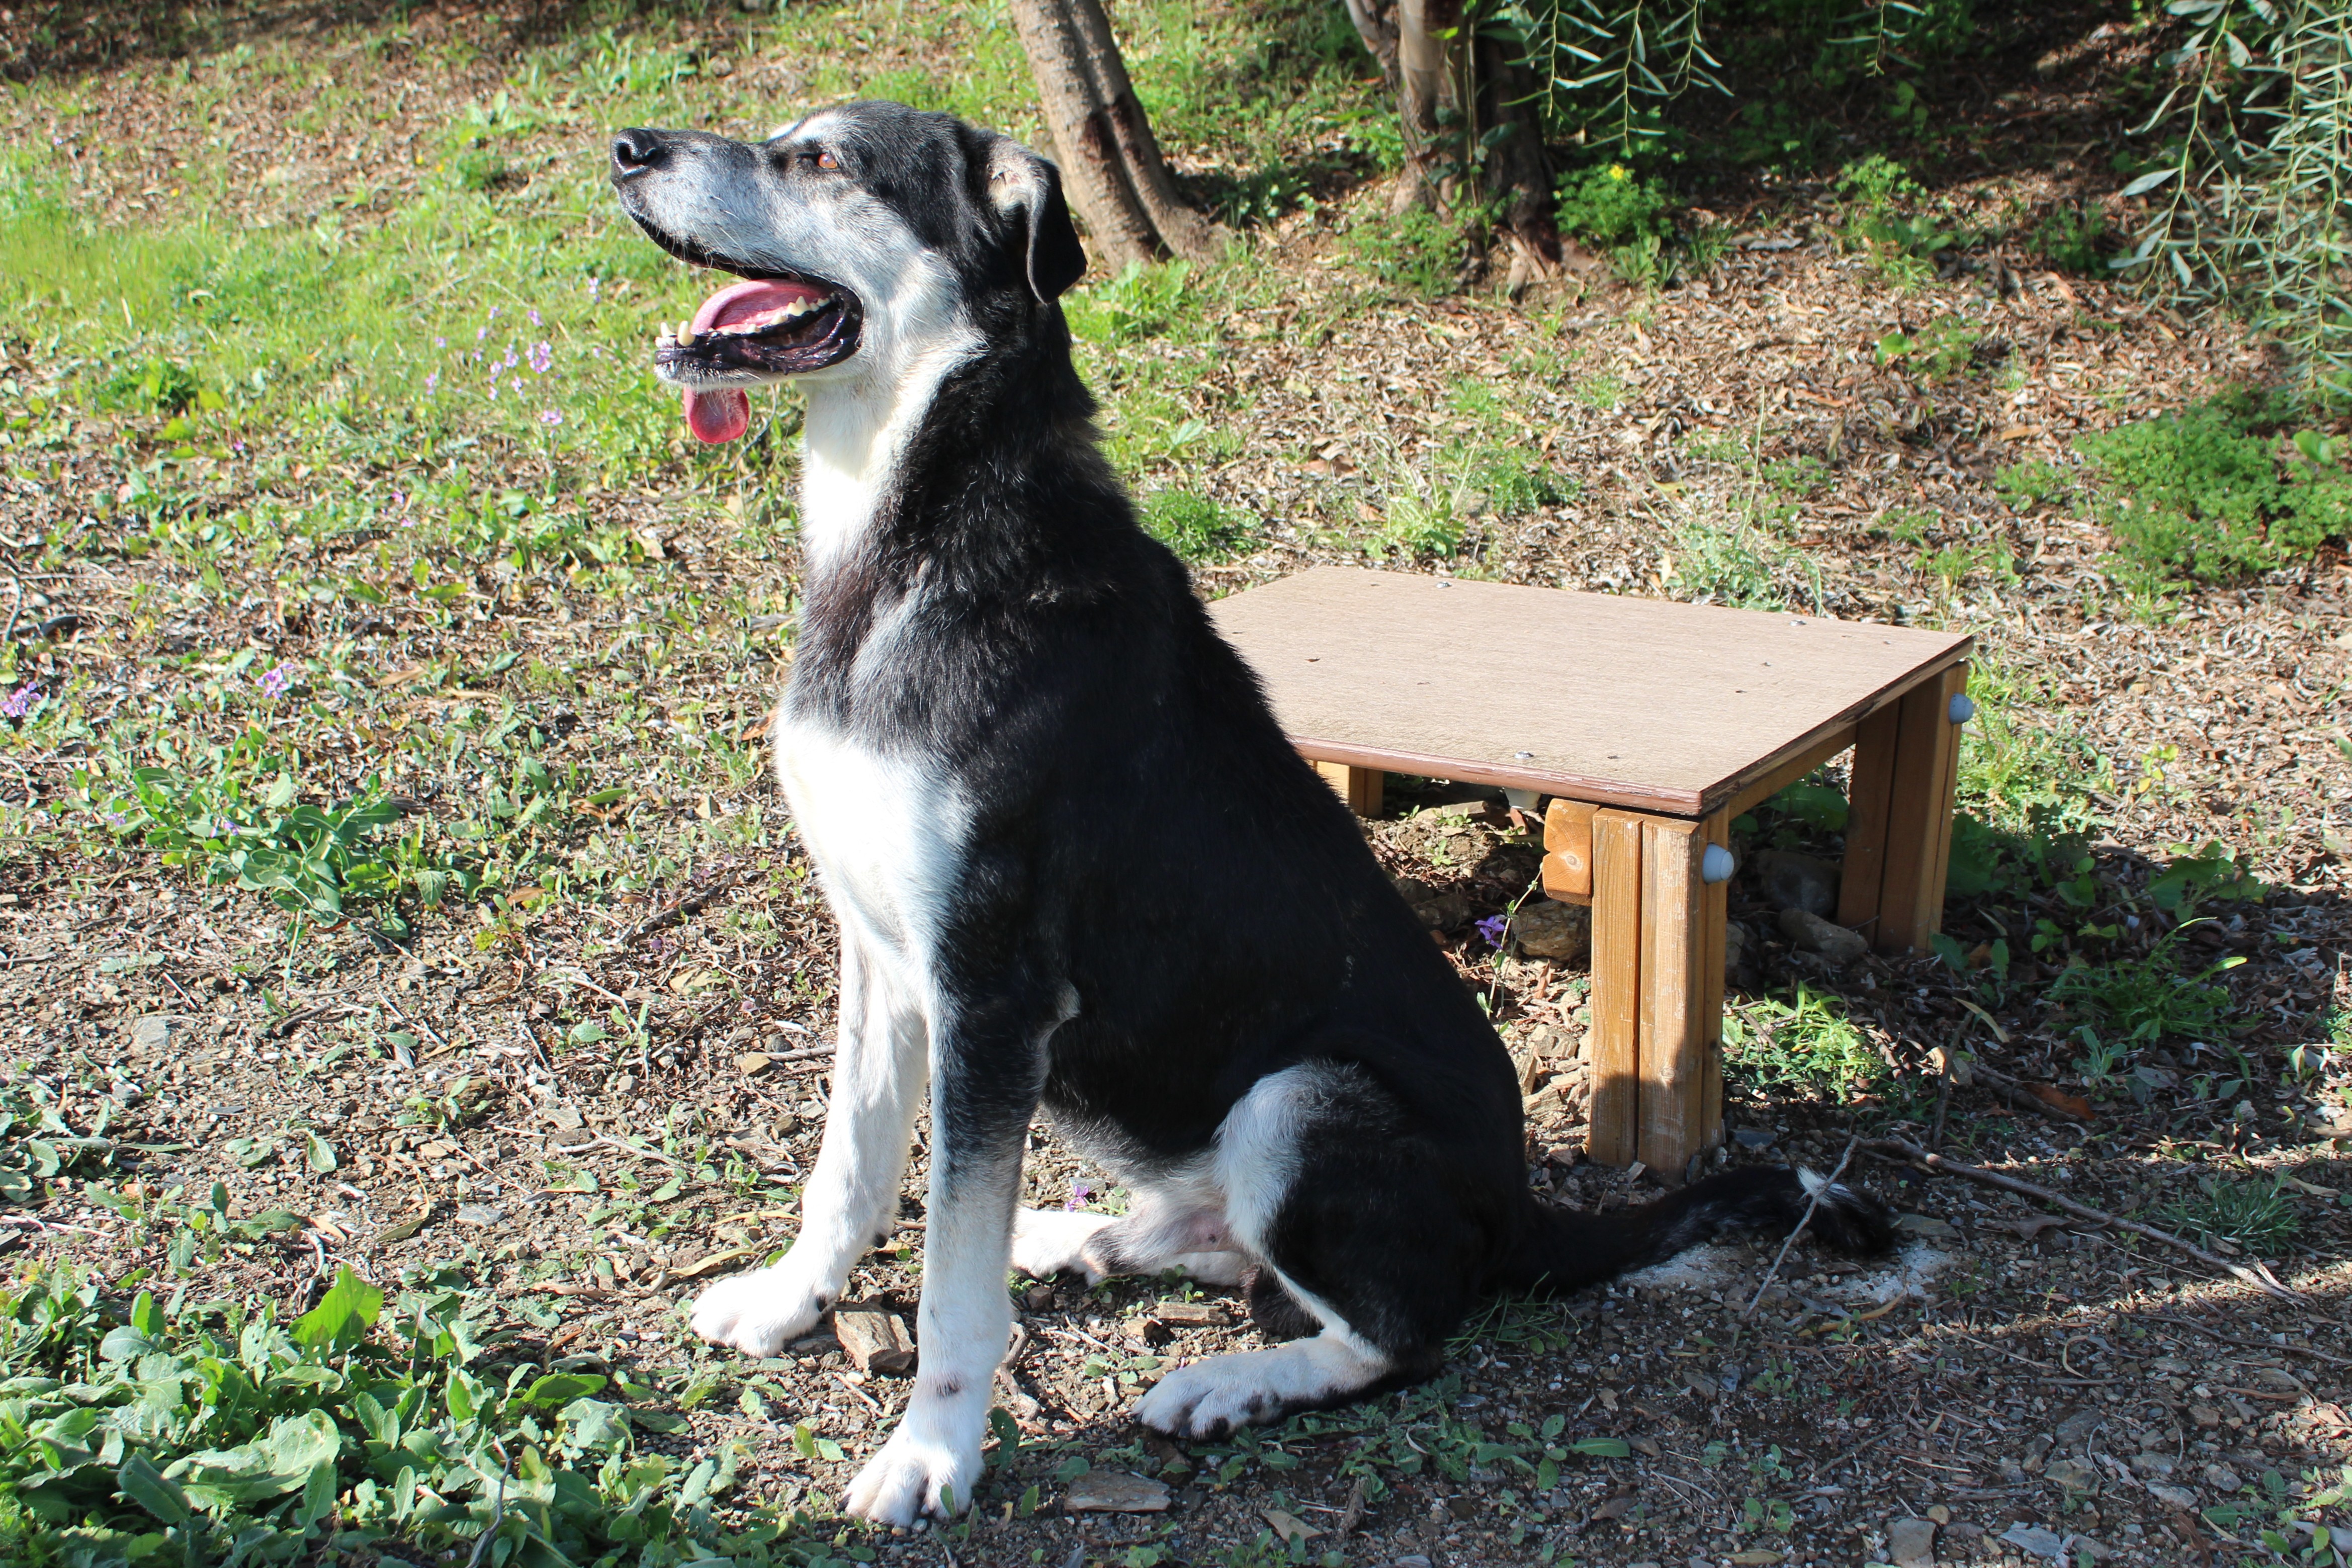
{"type": "Point", "coordinates": [1601, 1448]}
{"type": "Point", "coordinates": [346, 1312]}
{"type": "Point", "coordinates": [322, 1152]}
{"type": "Point", "coordinates": [595, 1423]}
{"type": "Point", "coordinates": [562, 1388]}
{"type": "Point", "coordinates": [143, 1484]}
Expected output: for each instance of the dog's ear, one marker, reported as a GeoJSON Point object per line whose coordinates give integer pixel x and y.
{"type": "Point", "coordinates": [1027, 188]}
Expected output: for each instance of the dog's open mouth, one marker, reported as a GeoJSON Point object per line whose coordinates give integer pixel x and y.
{"type": "Point", "coordinates": [748, 333]}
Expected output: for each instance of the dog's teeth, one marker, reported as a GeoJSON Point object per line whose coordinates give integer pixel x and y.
{"type": "Point", "coordinates": [687, 335]}
{"type": "Point", "coordinates": [667, 339]}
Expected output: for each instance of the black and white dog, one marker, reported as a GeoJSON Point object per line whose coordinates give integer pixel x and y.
{"type": "Point", "coordinates": [1074, 861]}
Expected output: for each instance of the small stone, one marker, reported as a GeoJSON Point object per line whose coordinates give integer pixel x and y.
{"type": "Point", "coordinates": [1544, 929]}
{"type": "Point", "coordinates": [566, 1116]}
{"type": "Point", "coordinates": [1755, 1137]}
{"type": "Point", "coordinates": [2177, 1497]}
{"type": "Point", "coordinates": [157, 1031]}
{"type": "Point", "coordinates": [2155, 1467]}
{"type": "Point", "coordinates": [751, 1064]}
{"type": "Point", "coordinates": [484, 1214]}
{"type": "Point", "coordinates": [1413, 1560]}
{"type": "Point", "coordinates": [1794, 881]}
{"type": "Point", "coordinates": [2073, 1474]}
{"type": "Point", "coordinates": [2205, 1415]}
{"type": "Point", "coordinates": [1148, 1330]}
{"type": "Point", "coordinates": [1940, 1514]}
{"type": "Point", "coordinates": [2073, 1433]}
{"type": "Point", "coordinates": [1755, 1557]}
{"type": "Point", "coordinates": [876, 1343]}
{"type": "Point", "coordinates": [1191, 1314]}
{"type": "Point", "coordinates": [2223, 1479]}
{"type": "Point", "coordinates": [2079, 1546]}
{"type": "Point", "coordinates": [1115, 1491]}
{"type": "Point", "coordinates": [1736, 943]}
{"type": "Point", "coordinates": [1038, 1298]}
{"type": "Point", "coordinates": [1835, 943]}
{"type": "Point", "coordinates": [2036, 1541]}
{"type": "Point", "coordinates": [1911, 1543]}
{"type": "Point", "coordinates": [1927, 1226]}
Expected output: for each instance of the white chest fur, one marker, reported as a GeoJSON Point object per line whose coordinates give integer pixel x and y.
{"type": "Point", "coordinates": [886, 834]}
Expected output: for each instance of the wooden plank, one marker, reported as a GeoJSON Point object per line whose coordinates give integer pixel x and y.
{"type": "Point", "coordinates": [1361, 788]}
{"type": "Point", "coordinates": [1613, 1132]}
{"type": "Point", "coordinates": [1870, 784]}
{"type": "Point", "coordinates": [1715, 915]}
{"type": "Point", "coordinates": [1781, 775]}
{"type": "Point", "coordinates": [1643, 704]}
{"type": "Point", "coordinates": [1919, 816]}
{"type": "Point", "coordinates": [1568, 849]}
{"type": "Point", "coordinates": [1674, 994]}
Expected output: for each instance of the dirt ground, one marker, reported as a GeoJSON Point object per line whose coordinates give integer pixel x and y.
{"type": "Point", "coordinates": [589, 1108]}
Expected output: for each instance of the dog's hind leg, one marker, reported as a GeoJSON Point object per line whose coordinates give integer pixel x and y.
{"type": "Point", "coordinates": [1176, 1221]}
{"type": "Point", "coordinates": [852, 1197]}
{"type": "Point", "coordinates": [1365, 1228]}
{"type": "Point", "coordinates": [987, 1061]}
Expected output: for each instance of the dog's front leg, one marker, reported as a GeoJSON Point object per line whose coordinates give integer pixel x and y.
{"type": "Point", "coordinates": [985, 1075]}
{"type": "Point", "coordinates": [853, 1195]}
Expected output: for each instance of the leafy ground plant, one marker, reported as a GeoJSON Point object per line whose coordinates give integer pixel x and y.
{"type": "Point", "coordinates": [1804, 1042]}
{"type": "Point", "coordinates": [192, 1434]}
{"type": "Point", "coordinates": [2254, 1215]}
{"type": "Point", "coordinates": [2148, 999]}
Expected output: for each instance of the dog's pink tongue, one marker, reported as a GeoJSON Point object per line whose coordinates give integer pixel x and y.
{"type": "Point", "coordinates": [720, 415]}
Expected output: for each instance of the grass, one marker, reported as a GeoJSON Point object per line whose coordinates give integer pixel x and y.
{"type": "Point", "coordinates": [2149, 999]}
{"type": "Point", "coordinates": [2254, 1215]}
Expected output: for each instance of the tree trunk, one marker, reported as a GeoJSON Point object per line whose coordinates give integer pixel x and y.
{"type": "Point", "coordinates": [1453, 92]}
{"type": "Point", "coordinates": [1112, 170]}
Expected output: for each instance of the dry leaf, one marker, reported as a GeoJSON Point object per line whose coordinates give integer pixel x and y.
{"type": "Point", "coordinates": [1288, 1525]}
{"type": "Point", "coordinates": [2058, 1099]}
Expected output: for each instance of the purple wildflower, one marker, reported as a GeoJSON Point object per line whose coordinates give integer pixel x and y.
{"type": "Point", "coordinates": [534, 316]}
{"type": "Point", "coordinates": [552, 417]}
{"type": "Point", "coordinates": [480, 333]}
{"type": "Point", "coordinates": [277, 682]}
{"type": "Point", "coordinates": [440, 342]}
{"type": "Point", "coordinates": [19, 702]}
{"type": "Point", "coordinates": [542, 357]}
{"type": "Point", "coordinates": [432, 380]}
{"type": "Point", "coordinates": [1493, 929]}
{"type": "Point", "coordinates": [494, 312]}
{"type": "Point", "coordinates": [1079, 1193]}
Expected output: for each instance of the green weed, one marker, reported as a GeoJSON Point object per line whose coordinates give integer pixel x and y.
{"type": "Point", "coordinates": [2255, 1215]}
{"type": "Point", "coordinates": [1802, 1043]}
{"type": "Point", "coordinates": [185, 1433]}
{"type": "Point", "coordinates": [1194, 526]}
{"type": "Point", "coordinates": [1939, 350]}
{"type": "Point", "coordinates": [1611, 205]}
{"type": "Point", "coordinates": [2148, 998]}
{"type": "Point", "coordinates": [1416, 253]}
{"type": "Point", "coordinates": [2211, 494]}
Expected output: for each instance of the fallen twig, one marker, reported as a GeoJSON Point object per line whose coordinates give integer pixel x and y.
{"type": "Point", "coordinates": [2250, 1344]}
{"type": "Point", "coordinates": [1904, 1151]}
{"type": "Point", "coordinates": [1812, 1202]}
{"type": "Point", "coordinates": [693, 903]}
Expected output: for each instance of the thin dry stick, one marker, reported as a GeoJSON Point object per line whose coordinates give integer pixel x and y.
{"type": "Point", "coordinates": [1899, 1149]}
{"type": "Point", "coordinates": [1812, 1204]}
{"type": "Point", "coordinates": [693, 903]}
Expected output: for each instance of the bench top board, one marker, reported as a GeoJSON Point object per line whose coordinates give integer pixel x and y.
{"type": "Point", "coordinates": [1643, 703]}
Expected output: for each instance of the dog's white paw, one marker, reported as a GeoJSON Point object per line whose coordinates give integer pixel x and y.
{"type": "Point", "coordinates": [915, 1474]}
{"type": "Point", "coordinates": [1209, 1399]}
{"type": "Point", "coordinates": [759, 1312]}
{"type": "Point", "coordinates": [1046, 1242]}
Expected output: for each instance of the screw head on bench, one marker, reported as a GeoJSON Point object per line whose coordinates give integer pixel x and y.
{"type": "Point", "coordinates": [1717, 865]}
{"type": "Point", "coordinates": [1962, 708]}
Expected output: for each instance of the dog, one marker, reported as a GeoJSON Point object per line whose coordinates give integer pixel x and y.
{"type": "Point", "coordinates": [1074, 862]}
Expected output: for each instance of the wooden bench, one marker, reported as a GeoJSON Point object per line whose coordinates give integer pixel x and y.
{"type": "Point", "coordinates": [1650, 725]}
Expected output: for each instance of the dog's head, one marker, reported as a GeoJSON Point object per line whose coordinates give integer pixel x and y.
{"type": "Point", "coordinates": [864, 235]}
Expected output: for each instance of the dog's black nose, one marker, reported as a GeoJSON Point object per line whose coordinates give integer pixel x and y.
{"type": "Point", "coordinates": [634, 151]}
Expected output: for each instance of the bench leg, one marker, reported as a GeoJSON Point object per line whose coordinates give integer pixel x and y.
{"type": "Point", "coordinates": [1359, 787]}
{"type": "Point", "coordinates": [1657, 991]}
{"type": "Point", "coordinates": [1898, 833]}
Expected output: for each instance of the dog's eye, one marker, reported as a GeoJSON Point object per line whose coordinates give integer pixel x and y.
{"type": "Point", "coordinates": [827, 161]}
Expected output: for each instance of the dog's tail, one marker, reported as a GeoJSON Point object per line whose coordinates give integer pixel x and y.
{"type": "Point", "coordinates": [1562, 1249]}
